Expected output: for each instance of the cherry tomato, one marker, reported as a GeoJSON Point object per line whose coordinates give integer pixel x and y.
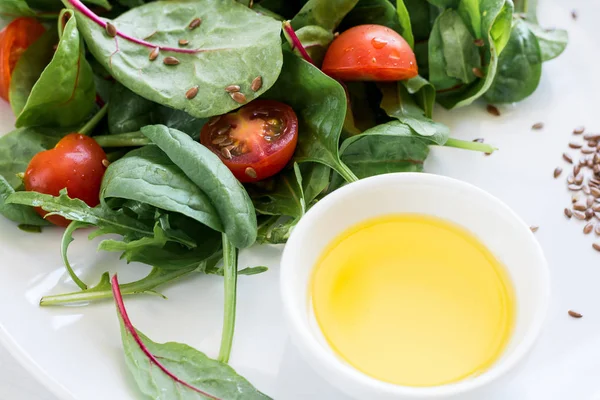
{"type": "Point", "coordinates": [14, 40]}
{"type": "Point", "coordinates": [370, 53]}
{"type": "Point", "coordinates": [77, 163]}
{"type": "Point", "coordinates": [256, 141]}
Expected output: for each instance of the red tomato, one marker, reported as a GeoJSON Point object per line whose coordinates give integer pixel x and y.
{"type": "Point", "coordinates": [76, 163]}
{"type": "Point", "coordinates": [14, 39]}
{"type": "Point", "coordinates": [370, 53]}
{"type": "Point", "coordinates": [256, 141]}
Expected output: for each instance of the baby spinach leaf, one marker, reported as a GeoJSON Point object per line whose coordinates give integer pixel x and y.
{"type": "Point", "coordinates": [519, 67]}
{"type": "Point", "coordinates": [175, 370]}
{"type": "Point", "coordinates": [65, 94]}
{"type": "Point", "coordinates": [315, 40]}
{"type": "Point", "coordinates": [230, 263]}
{"type": "Point", "coordinates": [437, 62]}
{"type": "Point", "coordinates": [444, 3]}
{"type": "Point", "coordinates": [315, 179]}
{"type": "Point", "coordinates": [286, 8]}
{"type": "Point", "coordinates": [404, 20]}
{"type": "Point", "coordinates": [12, 9]}
{"type": "Point", "coordinates": [320, 104]}
{"type": "Point", "coordinates": [324, 13]}
{"type": "Point", "coordinates": [460, 52]}
{"type": "Point", "coordinates": [552, 41]}
{"type": "Point", "coordinates": [29, 68]}
{"type": "Point", "coordinates": [15, 212]}
{"type": "Point", "coordinates": [380, 12]}
{"type": "Point", "coordinates": [423, 93]}
{"type": "Point", "coordinates": [222, 51]}
{"type": "Point", "coordinates": [282, 195]}
{"type": "Point", "coordinates": [206, 170]}
{"type": "Point", "coordinates": [147, 175]}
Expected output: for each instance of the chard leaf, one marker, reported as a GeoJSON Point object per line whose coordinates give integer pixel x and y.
{"type": "Point", "coordinates": [148, 176]}
{"type": "Point", "coordinates": [175, 370]}
{"type": "Point", "coordinates": [65, 93]}
{"type": "Point", "coordinates": [206, 170]}
{"type": "Point", "coordinates": [15, 212]}
{"type": "Point", "coordinates": [324, 13]}
{"type": "Point", "coordinates": [315, 41]}
{"type": "Point", "coordinates": [230, 35]}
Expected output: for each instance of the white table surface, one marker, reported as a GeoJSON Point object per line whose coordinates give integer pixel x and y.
{"type": "Point", "coordinates": [16, 383]}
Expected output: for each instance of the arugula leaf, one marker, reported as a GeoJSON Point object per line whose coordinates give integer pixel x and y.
{"type": "Point", "coordinates": [324, 13]}
{"type": "Point", "coordinates": [67, 239]}
{"type": "Point", "coordinates": [169, 370]}
{"type": "Point", "coordinates": [320, 104]}
{"type": "Point", "coordinates": [282, 195]}
{"type": "Point", "coordinates": [65, 93]}
{"type": "Point", "coordinates": [29, 68]}
{"type": "Point", "coordinates": [147, 175]}
{"type": "Point", "coordinates": [519, 67]}
{"type": "Point", "coordinates": [17, 213]}
{"type": "Point", "coordinates": [12, 9]}
{"type": "Point", "coordinates": [552, 41]}
{"type": "Point", "coordinates": [223, 39]}
{"type": "Point", "coordinates": [206, 170]}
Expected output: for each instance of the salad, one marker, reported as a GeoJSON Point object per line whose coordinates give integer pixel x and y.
{"type": "Point", "coordinates": [194, 128]}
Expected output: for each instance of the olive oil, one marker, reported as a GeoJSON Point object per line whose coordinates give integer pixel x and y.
{"type": "Point", "coordinates": [413, 300]}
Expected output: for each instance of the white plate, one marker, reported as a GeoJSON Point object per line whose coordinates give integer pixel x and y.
{"type": "Point", "coordinates": [76, 352]}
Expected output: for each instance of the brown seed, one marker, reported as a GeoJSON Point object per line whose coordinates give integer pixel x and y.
{"type": "Point", "coordinates": [579, 130]}
{"type": "Point", "coordinates": [579, 215]}
{"type": "Point", "coordinates": [568, 213]}
{"type": "Point", "coordinates": [596, 246]}
{"type": "Point", "coordinates": [578, 179]}
{"type": "Point", "coordinates": [575, 314]}
{"type": "Point", "coordinates": [589, 214]}
{"type": "Point", "coordinates": [574, 199]}
{"type": "Point", "coordinates": [534, 228]}
{"type": "Point", "coordinates": [597, 229]}
{"type": "Point", "coordinates": [579, 207]}
{"type": "Point", "coordinates": [111, 30]}
{"type": "Point", "coordinates": [191, 93]}
{"type": "Point", "coordinates": [478, 72]}
{"type": "Point", "coordinates": [589, 201]}
{"type": "Point", "coordinates": [588, 228]}
{"type": "Point", "coordinates": [219, 140]}
{"type": "Point", "coordinates": [223, 130]}
{"type": "Point", "coordinates": [567, 158]}
{"type": "Point", "coordinates": [538, 125]}
{"type": "Point", "coordinates": [574, 14]}
{"type": "Point", "coordinates": [587, 150]}
{"type": "Point", "coordinates": [596, 158]}
{"type": "Point", "coordinates": [232, 88]}
{"type": "Point", "coordinates": [170, 60]}
{"type": "Point", "coordinates": [557, 172]}
{"type": "Point", "coordinates": [226, 153]}
{"type": "Point", "coordinates": [596, 169]}
{"type": "Point", "coordinates": [195, 23]}
{"type": "Point", "coordinates": [591, 136]}
{"type": "Point", "coordinates": [227, 143]}
{"type": "Point", "coordinates": [154, 54]}
{"type": "Point", "coordinates": [595, 192]}
{"type": "Point", "coordinates": [106, 163]}
{"type": "Point", "coordinates": [479, 42]}
{"type": "Point", "coordinates": [576, 170]}
{"type": "Point", "coordinates": [480, 140]}
{"type": "Point", "coordinates": [493, 110]}
{"type": "Point", "coordinates": [183, 42]}
{"type": "Point", "coordinates": [575, 145]}
{"type": "Point", "coordinates": [586, 189]}
{"type": "Point", "coordinates": [594, 181]}
{"type": "Point", "coordinates": [238, 97]}
{"type": "Point", "coordinates": [592, 143]}
{"type": "Point", "coordinates": [256, 83]}
{"type": "Point", "coordinates": [596, 207]}
{"type": "Point", "coordinates": [574, 187]}
{"type": "Point", "coordinates": [570, 179]}
{"type": "Point", "coordinates": [250, 172]}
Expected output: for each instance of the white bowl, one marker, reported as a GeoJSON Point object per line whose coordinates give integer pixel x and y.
{"type": "Point", "coordinates": [494, 223]}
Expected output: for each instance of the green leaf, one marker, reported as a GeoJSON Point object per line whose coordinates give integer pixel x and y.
{"type": "Point", "coordinates": [282, 195]}
{"type": "Point", "coordinates": [324, 13]}
{"type": "Point", "coordinates": [147, 175]}
{"type": "Point", "coordinates": [460, 52]}
{"type": "Point", "coordinates": [174, 370]}
{"type": "Point", "coordinates": [29, 68]}
{"type": "Point", "coordinates": [319, 103]}
{"type": "Point", "coordinates": [207, 171]}
{"type": "Point", "coordinates": [380, 12]}
{"type": "Point", "coordinates": [519, 67]}
{"type": "Point", "coordinates": [423, 93]}
{"type": "Point", "coordinates": [230, 265]}
{"type": "Point", "coordinates": [235, 45]}
{"type": "Point", "coordinates": [404, 20]}
{"type": "Point", "coordinates": [552, 41]}
{"type": "Point", "coordinates": [315, 40]}
{"type": "Point", "coordinates": [12, 9]}
{"type": "Point", "coordinates": [315, 179]}
{"type": "Point", "coordinates": [444, 3]}
{"type": "Point", "coordinates": [438, 74]}
{"type": "Point", "coordinates": [286, 8]}
{"type": "Point", "coordinates": [386, 148]}
{"type": "Point", "coordinates": [67, 239]}
{"type": "Point", "coordinates": [65, 93]}
{"type": "Point", "coordinates": [17, 213]}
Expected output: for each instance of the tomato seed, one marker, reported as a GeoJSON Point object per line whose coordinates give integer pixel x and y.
{"type": "Point", "coordinates": [250, 172]}
{"type": "Point", "coordinates": [105, 163]}
{"type": "Point", "coordinates": [226, 153]}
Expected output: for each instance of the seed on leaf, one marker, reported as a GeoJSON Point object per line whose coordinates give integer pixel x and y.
{"type": "Point", "coordinates": [183, 42]}
{"type": "Point", "coordinates": [493, 110]}
{"type": "Point", "coordinates": [479, 42]}
{"type": "Point", "coordinates": [154, 54]}
{"type": "Point", "coordinates": [195, 23]}
{"type": "Point", "coordinates": [250, 172]}
{"type": "Point", "coordinates": [478, 73]}
{"type": "Point", "coordinates": [232, 88]}
{"type": "Point", "coordinates": [111, 30]}
{"type": "Point", "coordinates": [256, 83]}
{"type": "Point", "coordinates": [238, 97]}
{"type": "Point", "coordinates": [191, 93]}
{"type": "Point", "coordinates": [170, 60]}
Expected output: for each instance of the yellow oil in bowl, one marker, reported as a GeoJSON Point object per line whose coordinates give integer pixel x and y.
{"type": "Point", "coordinates": [413, 300]}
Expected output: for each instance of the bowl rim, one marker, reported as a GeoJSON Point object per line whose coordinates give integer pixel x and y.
{"type": "Point", "coordinates": [304, 337]}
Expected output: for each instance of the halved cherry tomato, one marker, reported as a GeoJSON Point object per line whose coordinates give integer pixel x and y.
{"type": "Point", "coordinates": [14, 40]}
{"type": "Point", "coordinates": [370, 53]}
{"type": "Point", "coordinates": [77, 163]}
{"type": "Point", "coordinates": [256, 141]}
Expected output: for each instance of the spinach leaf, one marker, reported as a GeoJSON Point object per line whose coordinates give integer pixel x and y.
{"type": "Point", "coordinates": [315, 179]}
{"type": "Point", "coordinates": [147, 175]}
{"type": "Point", "coordinates": [444, 3]}
{"type": "Point", "coordinates": [423, 93]}
{"type": "Point", "coordinates": [519, 67]}
{"type": "Point", "coordinates": [12, 9]}
{"type": "Point", "coordinates": [437, 62]}
{"type": "Point", "coordinates": [223, 39]}
{"type": "Point", "coordinates": [65, 94]}
{"type": "Point", "coordinates": [17, 213]}
{"type": "Point", "coordinates": [460, 52]}
{"type": "Point", "coordinates": [386, 148]}
{"type": "Point", "coordinates": [320, 104]}
{"type": "Point", "coordinates": [552, 41]}
{"type": "Point", "coordinates": [169, 370]}
{"type": "Point", "coordinates": [380, 12]}
{"type": "Point", "coordinates": [404, 20]}
{"type": "Point", "coordinates": [282, 195]}
{"type": "Point", "coordinates": [315, 40]}
{"type": "Point", "coordinates": [230, 262]}
{"type": "Point", "coordinates": [286, 8]}
{"type": "Point", "coordinates": [207, 171]}
{"type": "Point", "coordinates": [29, 68]}
{"type": "Point", "coordinates": [324, 13]}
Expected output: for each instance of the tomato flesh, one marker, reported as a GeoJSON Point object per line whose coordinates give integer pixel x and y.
{"type": "Point", "coordinates": [15, 38]}
{"type": "Point", "coordinates": [254, 142]}
{"type": "Point", "coordinates": [370, 53]}
{"type": "Point", "coordinates": [77, 163]}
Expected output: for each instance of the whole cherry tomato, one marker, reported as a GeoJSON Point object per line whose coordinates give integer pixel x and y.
{"type": "Point", "coordinates": [370, 53]}
{"type": "Point", "coordinates": [77, 163]}
{"type": "Point", "coordinates": [15, 38]}
{"type": "Point", "coordinates": [256, 141]}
